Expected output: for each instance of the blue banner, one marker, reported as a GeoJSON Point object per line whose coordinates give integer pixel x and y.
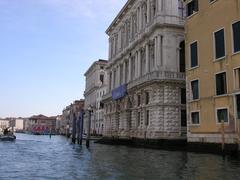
{"type": "Point", "coordinates": [119, 92]}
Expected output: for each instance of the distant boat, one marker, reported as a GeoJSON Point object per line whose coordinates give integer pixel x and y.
{"type": "Point", "coordinates": [7, 137]}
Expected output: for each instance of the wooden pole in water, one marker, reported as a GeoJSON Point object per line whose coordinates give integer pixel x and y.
{"type": "Point", "coordinates": [78, 128]}
{"type": "Point", "coordinates": [89, 127]}
{"type": "Point", "coordinates": [238, 132]}
{"type": "Point", "coordinates": [81, 126]}
{"type": "Point", "coordinates": [223, 135]}
{"type": "Point", "coordinates": [74, 129]}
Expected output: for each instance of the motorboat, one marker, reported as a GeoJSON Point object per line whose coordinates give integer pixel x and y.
{"type": "Point", "coordinates": [7, 137]}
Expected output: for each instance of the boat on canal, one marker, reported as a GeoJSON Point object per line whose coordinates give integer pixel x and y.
{"type": "Point", "coordinates": [7, 137]}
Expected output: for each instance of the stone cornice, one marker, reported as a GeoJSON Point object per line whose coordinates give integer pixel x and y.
{"type": "Point", "coordinates": [99, 62]}
{"type": "Point", "coordinates": [120, 15]}
{"type": "Point", "coordinates": [140, 38]}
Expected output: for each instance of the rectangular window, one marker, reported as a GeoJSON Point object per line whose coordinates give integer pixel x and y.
{"type": "Point", "coordinates": [195, 89]}
{"type": "Point", "coordinates": [219, 44]}
{"type": "Point", "coordinates": [192, 7]}
{"type": "Point", "coordinates": [114, 78]}
{"type": "Point", "coordinates": [236, 36]}
{"type": "Point", "coordinates": [183, 96]}
{"type": "Point", "coordinates": [102, 78]}
{"type": "Point", "coordinates": [222, 114]}
{"type": "Point", "coordinates": [238, 106]}
{"type": "Point", "coordinates": [132, 68]}
{"type": "Point", "coordinates": [194, 54]}
{"type": "Point", "coordinates": [138, 100]}
{"type": "Point", "coordinates": [138, 118]}
{"type": "Point", "coordinates": [126, 72]}
{"type": "Point", "coordinates": [110, 81]}
{"type": "Point", "coordinates": [221, 84]}
{"type": "Point", "coordinates": [147, 118]}
{"type": "Point", "coordinates": [237, 78]}
{"type": "Point", "coordinates": [183, 118]}
{"type": "Point", "coordinates": [195, 118]}
{"type": "Point", "coordinates": [121, 74]}
{"type": "Point", "coordinates": [147, 97]}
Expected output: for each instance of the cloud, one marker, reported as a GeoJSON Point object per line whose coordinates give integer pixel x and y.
{"type": "Point", "coordinates": [87, 8]}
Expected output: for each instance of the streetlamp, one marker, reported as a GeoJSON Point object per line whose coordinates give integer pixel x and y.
{"type": "Point", "coordinates": [89, 125]}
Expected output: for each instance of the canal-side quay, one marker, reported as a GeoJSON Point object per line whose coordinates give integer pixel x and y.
{"type": "Point", "coordinates": [175, 145]}
{"type": "Point", "coordinates": [39, 157]}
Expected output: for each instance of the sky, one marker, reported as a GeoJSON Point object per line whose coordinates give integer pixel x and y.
{"type": "Point", "coordinates": [46, 46]}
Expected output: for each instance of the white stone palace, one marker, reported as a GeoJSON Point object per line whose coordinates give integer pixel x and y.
{"type": "Point", "coordinates": [146, 72]}
{"type": "Point", "coordinates": [95, 88]}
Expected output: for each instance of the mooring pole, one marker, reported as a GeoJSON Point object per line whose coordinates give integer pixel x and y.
{"type": "Point", "coordinates": [238, 135]}
{"type": "Point", "coordinates": [78, 128]}
{"type": "Point", "coordinates": [81, 126]}
{"type": "Point", "coordinates": [89, 128]}
{"type": "Point", "coordinates": [223, 135]}
{"type": "Point", "coordinates": [74, 129]}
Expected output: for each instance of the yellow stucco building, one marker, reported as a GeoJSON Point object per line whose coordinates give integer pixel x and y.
{"type": "Point", "coordinates": [213, 70]}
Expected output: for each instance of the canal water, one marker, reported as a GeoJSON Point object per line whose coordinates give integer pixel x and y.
{"type": "Point", "coordinates": [39, 157]}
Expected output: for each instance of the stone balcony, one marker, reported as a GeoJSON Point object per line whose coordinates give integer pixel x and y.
{"type": "Point", "coordinates": [153, 76]}
{"type": "Point", "coordinates": [157, 75]}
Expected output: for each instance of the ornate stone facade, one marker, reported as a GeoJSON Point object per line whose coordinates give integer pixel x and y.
{"type": "Point", "coordinates": [95, 88]}
{"type": "Point", "coordinates": [145, 57]}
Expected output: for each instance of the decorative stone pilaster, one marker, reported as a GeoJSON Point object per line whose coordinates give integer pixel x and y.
{"type": "Point", "coordinates": [124, 72]}
{"type": "Point", "coordinates": [148, 11]}
{"type": "Point", "coordinates": [130, 68]}
{"type": "Point", "coordinates": [147, 58]}
{"type": "Point", "coordinates": [136, 65]}
{"type": "Point", "coordinates": [139, 63]}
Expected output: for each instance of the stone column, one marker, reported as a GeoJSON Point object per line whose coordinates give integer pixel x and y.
{"type": "Point", "coordinates": [124, 72]}
{"type": "Point", "coordinates": [109, 81]}
{"type": "Point", "coordinates": [136, 64]}
{"type": "Point", "coordinates": [114, 46]}
{"type": "Point", "coordinates": [120, 39]}
{"type": "Point", "coordinates": [155, 53]}
{"type": "Point", "coordinates": [148, 11]}
{"type": "Point", "coordinates": [160, 49]}
{"type": "Point", "coordinates": [118, 76]}
{"type": "Point", "coordinates": [147, 58]}
{"type": "Point", "coordinates": [131, 28]}
{"type": "Point", "coordinates": [129, 69]}
{"type": "Point", "coordinates": [138, 18]}
{"type": "Point", "coordinates": [115, 78]}
{"type": "Point", "coordinates": [139, 63]}
{"type": "Point", "coordinates": [109, 48]}
{"type": "Point", "coordinates": [141, 14]}
{"type": "Point", "coordinates": [157, 5]}
{"type": "Point", "coordinates": [112, 79]}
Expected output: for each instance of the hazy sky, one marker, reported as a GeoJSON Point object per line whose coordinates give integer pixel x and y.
{"type": "Point", "coordinates": [45, 48]}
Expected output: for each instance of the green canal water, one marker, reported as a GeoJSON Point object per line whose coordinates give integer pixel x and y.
{"type": "Point", "coordinates": [39, 157]}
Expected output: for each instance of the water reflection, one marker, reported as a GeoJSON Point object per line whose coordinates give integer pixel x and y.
{"type": "Point", "coordinates": [39, 157]}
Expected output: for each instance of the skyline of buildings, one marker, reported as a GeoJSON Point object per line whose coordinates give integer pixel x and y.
{"type": "Point", "coordinates": [172, 73]}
